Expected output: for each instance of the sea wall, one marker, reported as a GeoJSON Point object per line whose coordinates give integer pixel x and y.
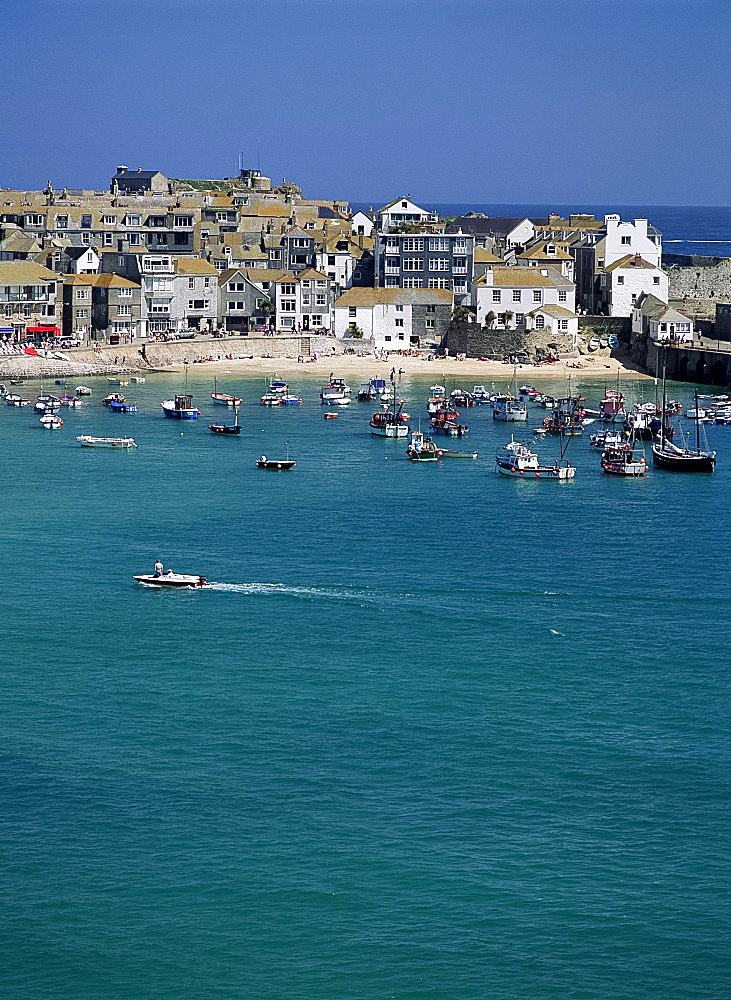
{"type": "Point", "coordinates": [711, 281]}
{"type": "Point", "coordinates": [146, 357]}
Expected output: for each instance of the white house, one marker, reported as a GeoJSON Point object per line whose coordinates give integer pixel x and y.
{"type": "Point", "coordinates": [624, 238]}
{"type": "Point", "coordinates": [538, 298]}
{"type": "Point", "coordinates": [362, 224]}
{"type": "Point", "coordinates": [402, 211]}
{"type": "Point", "coordinates": [394, 318]}
{"type": "Point", "coordinates": [303, 301]}
{"type": "Point", "coordinates": [660, 321]}
{"type": "Point", "coordinates": [626, 279]}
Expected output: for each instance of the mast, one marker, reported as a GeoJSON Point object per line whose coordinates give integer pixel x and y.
{"type": "Point", "coordinates": [662, 415]}
{"type": "Point", "coordinates": [697, 425]}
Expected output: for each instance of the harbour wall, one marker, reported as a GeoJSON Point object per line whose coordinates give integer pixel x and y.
{"type": "Point", "coordinates": [702, 364]}
{"type": "Point", "coordinates": [142, 357]}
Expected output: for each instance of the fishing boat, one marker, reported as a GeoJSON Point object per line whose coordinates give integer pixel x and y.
{"type": "Point", "coordinates": [606, 438]}
{"type": "Point", "coordinates": [42, 406]}
{"type": "Point", "coordinates": [83, 390]}
{"type": "Point", "coordinates": [68, 400]}
{"type": "Point", "coordinates": [113, 397]}
{"type": "Point", "coordinates": [480, 395]}
{"type": "Point", "coordinates": [270, 399]}
{"type": "Point", "coordinates": [612, 406]}
{"type": "Point", "coordinates": [421, 449]}
{"type": "Point", "coordinates": [438, 390]}
{"type": "Point", "coordinates": [233, 428]}
{"type": "Point", "coordinates": [371, 390]}
{"type": "Point", "coordinates": [180, 408]}
{"type": "Point", "coordinates": [453, 429]}
{"type": "Point", "coordinates": [435, 403]}
{"type": "Point", "coordinates": [623, 460]}
{"type": "Point", "coordinates": [335, 393]}
{"type": "Point", "coordinates": [277, 385]}
{"type": "Point", "coordinates": [138, 379]}
{"type": "Point", "coordinates": [390, 422]}
{"type": "Point", "coordinates": [13, 399]}
{"type": "Point", "coordinates": [667, 455]}
{"type": "Point", "coordinates": [508, 408]}
{"type": "Point", "coordinates": [118, 381]}
{"type": "Point", "coordinates": [460, 397]}
{"type": "Point", "coordinates": [51, 421]}
{"type": "Point", "coordinates": [88, 441]}
{"type": "Point", "coordinates": [118, 407]}
{"type": "Point", "coordinates": [171, 579]}
{"type": "Point", "coordinates": [519, 462]}
{"type": "Point", "coordinates": [289, 399]}
{"type": "Point", "coordinates": [223, 398]}
{"type": "Point", "coordinates": [566, 417]}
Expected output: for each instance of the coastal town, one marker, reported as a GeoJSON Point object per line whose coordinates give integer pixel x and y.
{"type": "Point", "coordinates": [153, 259]}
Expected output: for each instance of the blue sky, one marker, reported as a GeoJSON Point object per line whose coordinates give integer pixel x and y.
{"type": "Point", "coordinates": [561, 101]}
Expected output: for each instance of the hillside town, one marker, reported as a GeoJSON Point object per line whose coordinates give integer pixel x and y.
{"type": "Point", "coordinates": [154, 258]}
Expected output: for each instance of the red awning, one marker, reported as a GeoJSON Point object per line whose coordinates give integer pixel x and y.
{"type": "Point", "coordinates": [45, 329]}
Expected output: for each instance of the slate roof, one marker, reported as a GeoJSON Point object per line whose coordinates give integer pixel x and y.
{"type": "Point", "coordinates": [369, 297]}
{"type": "Point", "coordinates": [657, 310]}
{"type": "Point", "coordinates": [484, 227]}
{"type": "Point", "coordinates": [137, 174]}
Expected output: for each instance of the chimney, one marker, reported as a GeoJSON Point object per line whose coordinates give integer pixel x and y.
{"type": "Point", "coordinates": [641, 228]}
{"type": "Point", "coordinates": [489, 276]}
{"type": "Point", "coordinates": [139, 170]}
{"type": "Point", "coordinates": [122, 169]}
{"type": "Point", "coordinates": [637, 261]}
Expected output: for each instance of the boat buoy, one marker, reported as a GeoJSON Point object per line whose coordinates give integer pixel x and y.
{"type": "Point", "coordinates": [181, 434]}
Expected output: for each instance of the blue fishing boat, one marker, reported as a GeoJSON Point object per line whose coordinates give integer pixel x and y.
{"type": "Point", "coordinates": [123, 407]}
{"type": "Point", "coordinates": [180, 408]}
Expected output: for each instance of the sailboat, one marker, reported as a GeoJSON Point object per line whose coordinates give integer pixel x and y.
{"type": "Point", "coordinates": [507, 407]}
{"type": "Point", "coordinates": [390, 422]}
{"type": "Point", "coordinates": [667, 455]}
{"type": "Point", "coordinates": [223, 397]}
{"type": "Point", "coordinates": [233, 428]}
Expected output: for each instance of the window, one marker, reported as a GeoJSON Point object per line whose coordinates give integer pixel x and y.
{"type": "Point", "coordinates": [34, 220]}
{"type": "Point", "coordinates": [81, 313]}
{"type": "Point", "coordinates": [634, 299]}
{"type": "Point", "coordinates": [288, 305]}
{"type": "Point", "coordinates": [62, 222]}
{"type": "Point", "coordinates": [401, 336]}
{"type": "Point", "coordinates": [393, 282]}
{"type": "Point", "coordinates": [125, 293]}
{"type": "Point", "coordinates": [317, 319]}
{"type": "Point", "coordinates": [520, 319]}
{"type": "Point", "coordinates": [460, 243]}
{"type": "Point", "coordinates": [86, 239]}
{"type": "Point", "coordinates": [306, 283]}
{"type": "Point", "coordinates": [305, 299]}
{"type": "Point", "coordinates": [656, 280]}
{"type": "Point", "coordinates": [438, 264]}
{"type": "Point", "coordinates": [183, 221]}
{"type": "Point", "coordinates": [540, 322]}
{"type": "Point", "coordinates": [430, 324]}
{"type": "Point", "coordinates": [516, 295]}
{"type": "Point", "coordinates": [537, 295]}
{"type": "Point", "coordinates": [320, 300]}
{"type": "Point", "coordinates": [351, 312]}
{"type": "Point", "coordinates": [439, 244]}
{"type": "Point", "coordinates": [399, 322]}
{"type": "Point", "coordinates": [108, 239]}
{"type": "Point", "coordinates": [387, 337]}
{"type": "Point", "coordinates": [413, 264]}
{"type": "Point", "coordinates": [288, 289]}
{"type": "Point", "coordinates": [438, 282]}
{"type": "Point", "coordinates": [82, 293]}
{"type": "Point", "coordinates": [620, 279]}
{"type": "Point", "coordinates": [321, 284]}
{"type": "Point", "coordinates": [124, 310]}
{"type": "Point", "coordinates": [331, 260]}
{"type": "Point", "coordinates": [563, 324]}
{"type": "Point", "coordinates": [86, 222]}
{"type": "Point", "coordinates": [156, 221]}
{"type": "Point", "coordinates": [410, 282]}
{"type": "Point", "coordinates": [120, 261]}
{"type": "Point", "coordinates": [196, 304]}
{"type": "Point", "coordinates": [411, 245]}
{"type": "Point", "coordinates": [600, 262]}
{"type": "Point", "coordinates": [191, 282]}
{"type": "Point", "coordinates": [496, 295]}
{"type": "Point", "coordinates": [110, 220]}
{"type": "Point", "coordinates": [561, 296]}
{"type": "Point", "coordinates": [626, 241]}
{"type": "Point", "coordinates": [134, 239]}
{"type": "Point", "coordinates": [299, 242]}
{"type": "Point", "coordinates": [132, 220]}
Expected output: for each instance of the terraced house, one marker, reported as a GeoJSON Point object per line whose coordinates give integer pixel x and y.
{"type": "Point", "coordinates": [525, 298]}
{"type": "Point", "coordinates": [425, 260]}
{"type": "Point", "coordinates": [28, 301]}
{"type": "Point", "coordinates": [101, 306]}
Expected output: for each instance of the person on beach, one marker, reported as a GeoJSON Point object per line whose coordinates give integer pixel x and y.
{"type": "Point", "coordinates": [158, 568]}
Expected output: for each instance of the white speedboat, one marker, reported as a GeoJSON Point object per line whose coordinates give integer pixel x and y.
{"type": "Point", "coordinates": [520, 462]}
{"type": "Point", "coordinates": [88, 441]}
{"type": "Point", "coordinates": [51, 422]}
{"type": "Point", "coordinates": [83, 390]}
{"type": "Point", "coordinates": [171, 579]}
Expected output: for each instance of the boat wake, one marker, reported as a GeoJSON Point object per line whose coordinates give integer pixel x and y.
{"type": "Point", "coordinates": [285, 590]}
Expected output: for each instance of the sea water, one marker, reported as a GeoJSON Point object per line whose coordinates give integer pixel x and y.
{"type": "Point", "coordinates": [430, 732]}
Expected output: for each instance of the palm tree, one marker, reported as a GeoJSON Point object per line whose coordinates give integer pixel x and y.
{"type": "Point", "coordinates": [490, 319]}
{"type": "Point", "coordinates": [460, 314]}
{"type": "Point", "coordinates": [508, 318]}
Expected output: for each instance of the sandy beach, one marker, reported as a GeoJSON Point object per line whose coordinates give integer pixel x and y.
{"type": "Point", "coordinates": [471, 369]}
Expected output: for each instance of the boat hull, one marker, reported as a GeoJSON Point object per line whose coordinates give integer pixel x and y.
{"type": "Point", "coordinates": [185, 413]}
{"type": "Point", "coordinates": [683, 463]}
{"type": "Point", "coordinates": [86, 441]}
{"type": "Point", "coordinates": [273, 463]}
{"type": "Point", "coordinates": [224, 428]}
{"type": "Point", "coordinates": [172, 580]}
{"type": "Point", "coordinates": [542, 473]}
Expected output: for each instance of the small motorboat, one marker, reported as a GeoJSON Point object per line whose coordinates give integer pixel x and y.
{"type": "Point", "coordinates": [118, 407]}
{"type": "Point", "coordinates": [330, 415]}
{"type": "Point", "coordinates": [171, 579]}
{"type": "Point", "coordinates": [449, 453]}
{"type": "Point", "coordinates": [180, 408]}
{"type": "Point", "coordinates": [289, 399]}
{"type": "Point", "coordinates": [113, 397]}
{"type": "Point", "coordinates": [438, 390]}
{"type": "Point", "coordinates": [51, 422]}
{"type": "Point", "coordinates": [233, 428]}
{"type": "Point", "coordinates": [138, 379]}
{"type": "Point", "coordinates": [270, 399]}
{"type": "Point", "coordinates": [223, 398]}
{"type": "Point", "coordinates": [83, 390]}
{"type": "Point", "coordinates": [621, 460]}
{"type": "Point", "coordinates": [60, 381]}
{"type": "Point", "coordinates": [422, 449]}
{"type": "Point", "coordinates": [275, 463]}
{"type": "Point", "coordinates": [46, 407]}
{"type": "Point", "coordinates": [118, 381]}
{"type": "Point", "coordinates": [88, 441]}
{"type": "Point", "coordinates": [13, 399]}
{"type": "Point", "coordinates": [68, 400]}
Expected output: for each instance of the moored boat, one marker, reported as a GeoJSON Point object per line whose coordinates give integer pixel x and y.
{"type": "Point", "coordinates": [622, 460]}
{"type": "Point", "coordinates": [519, 462]}
{"type": "Point", "coordinates": [180, 408]}
{"type": "Point", "coordinates": [422, 449]}
{"type": "Point", "coordinates": [669, 456]}
{"type": "Point", "coordinates": [275, 463]}
{"type": "Point", "coordinates": [51, 421]}
{"type": "Point", "coordinates": [118, 407]}
{"type": "Point", "coordinates": [89, 441]}
{"type": "Point", "coordinates": [232, 429]}
{"type": "Point", "coordinates": [335, 393]}
{"type": "Point", "coordinates": [83, 390]}
{"type": "Point", "coordinates": [223, 398]}
{"type": "Point", "coordinates": [13, 399]}
{"type": "Point", "coordinates": [113, 397]}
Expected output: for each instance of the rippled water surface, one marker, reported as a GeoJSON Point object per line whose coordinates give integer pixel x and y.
{"type": "Point", "coordinates": [430, 732]}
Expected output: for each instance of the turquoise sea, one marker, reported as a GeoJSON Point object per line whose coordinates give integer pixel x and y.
{"type": "Point", "coordinates": [431, 733]}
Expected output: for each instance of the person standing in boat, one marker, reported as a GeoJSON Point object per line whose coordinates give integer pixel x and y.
{"type": "Point", "coordinates": [158, 568]}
